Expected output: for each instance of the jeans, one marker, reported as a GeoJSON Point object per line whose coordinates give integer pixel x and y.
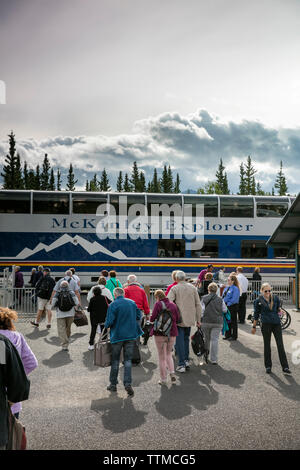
{"type": "Point", "coordinates": [115, 361]}
{"type": "Point", "coordinates": [211, 337]}
{"type": "Point", "coordinates": [183, 344]}
{"type": "Point", "coordinates": [267, 329]}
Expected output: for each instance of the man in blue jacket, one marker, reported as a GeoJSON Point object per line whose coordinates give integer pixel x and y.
{"type": "Point", "coordinates": [122, 319]}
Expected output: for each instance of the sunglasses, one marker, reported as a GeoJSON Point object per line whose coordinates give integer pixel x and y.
{"type": "Point", "coordinates": [267, 291]}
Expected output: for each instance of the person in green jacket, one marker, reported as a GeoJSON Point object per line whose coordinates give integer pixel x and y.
{"type": "Point", "coordinates": [113, 282]}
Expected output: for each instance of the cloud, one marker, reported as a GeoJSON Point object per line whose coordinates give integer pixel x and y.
{"type": "Point", "coordinates": [191, 144]}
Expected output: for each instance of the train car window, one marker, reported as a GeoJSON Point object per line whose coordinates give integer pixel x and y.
{"type": "Point", "coordinates": [237, 207]}
{"type": "Point", "coordinates": [49, 203]}
{"type": "Point", "coordinates": [210, 249]}
{"type": "Point", "coordinates": [171, 248]}
{"type": "Point", "coordinates": [14, 203]}
{"type": "Point", "coordinates": [271, 207]}
{"type": "Point", "coordinates": [87, 203]}
{"type": "Point", "coordinates": [284, 253]}
{"type": "Point", "coordinates": [254, 249]}
{"type": "Point", "coordinates": [175, 201]}
{"type": "Point", "coordinates": [210, 204]}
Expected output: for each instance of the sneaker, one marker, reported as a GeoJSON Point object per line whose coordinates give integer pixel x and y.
{"type": "Point", "coordinates": [187, 365]}
{"type": "Point", "coordinates": [162, 382]}
{"type": "Point", "coordinates": [173, 378]}
{"type": "Point", "coordinates": [268, 370]}
{"type": "Point", "coordinates": [91, 347]}
{"type": "Point", "coordinates": [112, 388]}
{"type": "Point", "coordinates": [180, 369]}
{"type": "Point", "coordinates": [214, 363]}
{"type": "Point", "coordinates": [65, 349]}
{"type": "Point", "coordinates": [129, 390]}
{"type": "Point", "coordinates": [34, 323]}
{"type": "Point", "coordinates": [287, 371]}
{"type": "Point", "coordinates": [48, 326]}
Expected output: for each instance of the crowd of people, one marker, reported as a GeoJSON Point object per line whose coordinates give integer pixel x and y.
{"type": "Point", "coordinates": [214, 302]}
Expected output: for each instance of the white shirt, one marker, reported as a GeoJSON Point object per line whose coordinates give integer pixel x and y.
{"type": "Point", "coordinates": [243, 281]}
{"type": "Point", "coordinates": [106, 292]}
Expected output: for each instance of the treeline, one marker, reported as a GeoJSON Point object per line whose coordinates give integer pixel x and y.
{"type": "Point", "coordinates": [18, 176]}
{"type": "Point", "coordinates": [248, 184]}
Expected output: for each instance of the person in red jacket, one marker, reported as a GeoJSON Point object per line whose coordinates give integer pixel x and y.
{"type": "Point", "coordinates": [135, 292]}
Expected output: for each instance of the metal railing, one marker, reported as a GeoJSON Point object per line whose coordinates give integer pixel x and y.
{"type": "Point", "coordinates": [283, 289]}
{"type": "Point", "coordinates": [21, 299]}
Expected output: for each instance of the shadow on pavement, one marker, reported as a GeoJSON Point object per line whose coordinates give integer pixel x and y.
{"type": "Point", "coordinates": [232, 378]}
{"type": "Point", "coordinates": [37, 333]}
{"type": "Point", "coordinates": [118, 414]}
{"type": "Point", "coordinates": [179, 400]}
{"type": "Point", "coordinates": [77, 336]}
{"type": "Point", "coordinates": [88, 360]}
{"type": "Point", "coordinates": [54, 341]}
{"type": "Point", "coordinates": [241, 349]}
{"type": "Point", "coordinates": [59, 359]}
{"type": "Point", "coordinates": [289, 390]}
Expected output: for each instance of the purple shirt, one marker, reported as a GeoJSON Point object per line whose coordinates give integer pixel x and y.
{"type": "Point", "coordinates": [19, 281]}
{"type": "Point", "coordinates": [202, 274]}
{"type": "Point", "coordinates": [28, 358]}
{"type": "Point", "coordinates": [175, 315]}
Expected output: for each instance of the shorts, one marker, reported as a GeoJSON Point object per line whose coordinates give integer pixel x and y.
{"type": "Point", "coordinates": [43, 303]}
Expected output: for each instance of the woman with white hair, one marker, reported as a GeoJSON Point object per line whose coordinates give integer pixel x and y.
{"type": "Point", "coordinates": [267, 306]}
{"type": "Point", "coordinates": [213, 308]}
{"type": "Point", "coordinates": [64, 301]}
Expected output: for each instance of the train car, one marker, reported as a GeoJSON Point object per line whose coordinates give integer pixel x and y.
{"type": "Point", "coordinates": [90, 231]}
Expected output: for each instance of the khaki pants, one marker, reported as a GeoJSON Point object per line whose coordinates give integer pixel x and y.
{"type": "Point", "coordinates": [64, 330]}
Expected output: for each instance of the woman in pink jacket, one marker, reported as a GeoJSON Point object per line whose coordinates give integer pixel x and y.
{"type": "Point", "coordinates": [8, 329]}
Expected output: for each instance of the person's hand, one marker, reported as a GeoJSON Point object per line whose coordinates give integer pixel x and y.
{"type": "Point", "coordinates": [199, 324]}
{"type": "Point", "coordinates": [253, 331]}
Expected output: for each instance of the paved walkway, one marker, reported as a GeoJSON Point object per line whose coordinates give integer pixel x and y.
{"type": "Point", "coordinates": [233, 405]}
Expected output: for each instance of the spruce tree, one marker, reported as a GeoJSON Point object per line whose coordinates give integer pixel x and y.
{"type": "Point", "coordinates": [221, 179]}
{"type": "Point", "coordinates": [142, 183]}
{"type": "Point", "coordinates": [58, 180]}
{"type": "Point", "coordinates": [25, 176]}
{"type": "Point", "coordinates": [242, 186]}
{"type": "Point", "coordinates": [10, 163]}
{"type": "Point", "coordinates": [135, 178]}
{"type": "Point", "coordinates": [52, 181]}
{"type": "Point", "coordinates": [71, 179]}
{"type": "Point", "coordinates": [170, 180]}
{"type": "Point", "coordinates": [120, 182]}
{"type": "Point", "coordinates": [104, 183]}
{"type": "Point", "coordinates": [127, 186]}
{"type": "Point", "coordinates": [280, 183]}
{"type": "Point", "coordinates": [177, 184]}
{"type": "Point", "coordinates": [155, 184]}
{"type": "Point", "coordinates": [37, 182]}
{"type": "Point", "coordinates": [19, 182]}
{"type": "Point", "coordinates": [165, 181]}
{"type": "Point", "coordinates": [45, 175]}
{"type": "Point", "coordinates": [250, 185]}
{"type": "Point", "coordinates": [87, 185]}
{"type": "Point", "coordinates": [94, 184]}
{"type": "Point", "coordinates": [31, 180]}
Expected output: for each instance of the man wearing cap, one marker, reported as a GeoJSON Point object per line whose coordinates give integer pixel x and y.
{"type": "Point", "coordinates": [44, 288]}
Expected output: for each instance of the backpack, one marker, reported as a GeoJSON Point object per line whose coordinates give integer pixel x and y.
{"type": "Point", "coordinates": [44, 287]}
{"type": "Point", "coordinates": [198, 343]}
{"type": "Point", "coordinates": [65, 301]}
{"type": "Point", "coordinates": [163, 322]}
{"type": "Point", "coordinates": [216, 276]}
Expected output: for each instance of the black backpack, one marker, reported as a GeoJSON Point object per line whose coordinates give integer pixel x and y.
{"type": "Point", "coordinates": [65, 301]}
{"type": "Point", "coordinates": [163, 322]}
{"type": "Point", "coordinates": [45, 287]}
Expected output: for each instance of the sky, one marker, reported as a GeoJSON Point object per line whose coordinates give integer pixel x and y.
{"type": "Point", "coordinates": [103, 83]}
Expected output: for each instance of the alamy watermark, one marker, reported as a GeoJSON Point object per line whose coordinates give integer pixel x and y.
{"type": "Point", "coordinates": [296, 352]}
{"type": "Point", "coordinates": [154, 221]}
{"type": "Point", "coordinates": [2, 92]}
